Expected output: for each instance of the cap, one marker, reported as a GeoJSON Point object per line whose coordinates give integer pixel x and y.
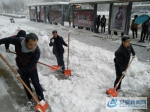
{"type": "Point", "coordinates": [21, 33]}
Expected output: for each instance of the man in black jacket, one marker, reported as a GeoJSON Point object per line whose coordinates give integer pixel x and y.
{"type": "Point", "coordinates": [20, 34]}
{"type": "Point", "coordinates": [122, 58]}
{"type": "Point", "coordinates": [27, 56]}
{"type": "Point", "coordinates": [103, 24]}
{"type": "Point", "coordinates": [57, 42]}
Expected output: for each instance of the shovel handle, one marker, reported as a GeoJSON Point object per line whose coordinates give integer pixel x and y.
{"type": "Point", "coordinates": [18, 76]}
{"type": "Point", "coordinates": [123, 74]}
{"type": "Point", "coordinates": [68, 50]}
{"type": "Point", "coordinates": [52, 67]}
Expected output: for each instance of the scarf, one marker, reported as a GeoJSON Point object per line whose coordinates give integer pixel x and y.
{"type": "Point", "coordinates": [24, 49]}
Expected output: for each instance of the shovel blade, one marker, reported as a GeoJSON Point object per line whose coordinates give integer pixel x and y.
{"type": "Point", "coordinates": [55, 68]}
{"type": "Point", "coordinates": [112, 92]}
{"type": "Point", "coordinates": [67, 72]}
{"type": "Point", "coordinates": [42, 106]}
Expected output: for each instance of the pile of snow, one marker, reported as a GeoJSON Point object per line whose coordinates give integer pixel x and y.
{"type": "Point", "coordinates": [93, 73]}
{"type": "Point", "coordinates": [9, 29]}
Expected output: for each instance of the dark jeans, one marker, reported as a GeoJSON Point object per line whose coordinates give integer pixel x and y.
{"type": "Point", "coordinates": [97, 28]}
{"type": "Point", "coordinates": [134, 30]}
{"type": "Point", "coordinates": [118, 76]}
{"type": "Point", "coordinates": [102, 29]}
{"type": "Point", "coordinates": [33, 75]}
{"type": "Point", "coordinates": [60, 60]}
{"type": "Point", "coordinates": [143, 34]}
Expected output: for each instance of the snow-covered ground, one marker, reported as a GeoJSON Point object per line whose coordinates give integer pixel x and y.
{"type": "Point", "coordinates": [92, 69]}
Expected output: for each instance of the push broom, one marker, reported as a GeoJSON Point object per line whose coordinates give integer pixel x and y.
{"type": "Point", "coordinates": [112, 91]}
{"type": "Point", "coordinates": [41, 105]}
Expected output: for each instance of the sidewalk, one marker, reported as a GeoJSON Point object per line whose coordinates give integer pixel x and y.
{"type": "Point", "coordinates": [5, 101]}
{"type": "Point", "coordinates": [116, 39]}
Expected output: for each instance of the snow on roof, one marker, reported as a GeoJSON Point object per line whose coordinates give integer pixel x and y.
{"type": "Point", "coordinates": [141, 5]}
{"type": "Point", "coordinates": [48, 3]}
{"type": "Point", "coordinates": [91, 1]}
{"type": "Point", "coordinates": [102, 1]}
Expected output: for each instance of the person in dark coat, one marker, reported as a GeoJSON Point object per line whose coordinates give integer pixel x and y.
{"type": "Point", "coordinates": [103, 24]}
{"type": "Point", "coordinates": [27, 56]}
{"type": "Point", "coordinates": [98, 22]}
{"type": "Point", "coordinates": [144, 31]}
{"type": "Point", "coordinates": [57, 42]}
{"type": "Point", "coordinates": [122, 58]}
{"type": "Point", "coordinates": [20, 34]}
{"type": "Point", "coordinates": [134, 27]}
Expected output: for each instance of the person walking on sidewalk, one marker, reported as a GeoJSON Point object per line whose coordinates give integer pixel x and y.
{"type": "Point", "coordinates": [122, 58]}
{"type": "Point", "coordinates": [57, 42]}
{"type": "Point", "coordinates": [134, 27]}
{"type": "Point", "coordinates": [27, 56]}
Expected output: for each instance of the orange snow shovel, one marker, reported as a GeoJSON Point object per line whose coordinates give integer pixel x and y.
{"type": "Point", "coordinates": [112, 91]}
{"type": "Point", "coordinates": [68, 72]}
{"type": "Point", "coordinates": [41, 105]}
{"type": "Point", "coordinates": [53, 68]}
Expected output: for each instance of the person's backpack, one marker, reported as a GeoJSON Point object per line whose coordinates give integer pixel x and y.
{"type": "Point", "coordinates": [103, 20]}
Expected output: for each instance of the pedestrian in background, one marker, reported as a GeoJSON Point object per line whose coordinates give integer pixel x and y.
{"type": "Point", "coordinates": [103, 24]}
{"type": "Point", "coordinates": [134, 27]}
{"type": "Point", "coordinates": [98, 22]}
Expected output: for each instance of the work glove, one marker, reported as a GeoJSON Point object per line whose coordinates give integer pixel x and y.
{"type": "Point", "coordinates": [52, 40]}
{"type": "Point", "coordinates": [134, 56]}
{"type": "Point", "coordinates": [124, 73]}
{"type": "Point", "coordinates": [7, 50]}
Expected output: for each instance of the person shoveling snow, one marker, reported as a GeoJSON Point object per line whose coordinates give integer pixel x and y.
{"type": "Point", "coordinates": [57, 42]}
{"type": "Point", "coordinates": [122, 58]}
{"type": "Point", "coordinates": [28, 54]}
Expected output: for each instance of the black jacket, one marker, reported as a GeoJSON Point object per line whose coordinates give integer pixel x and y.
{"type": "Point", "coordinates": [122, 57]}
{"type": "Point", "coordinates": [103, 22]}
{"type": "Point", "coordinates": [58, 44]}
{"type": "Point", "coordinates": [25, 61]}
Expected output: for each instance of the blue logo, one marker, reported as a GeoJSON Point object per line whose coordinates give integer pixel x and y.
{"type": "Point", "coordinates": [112, 103]}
